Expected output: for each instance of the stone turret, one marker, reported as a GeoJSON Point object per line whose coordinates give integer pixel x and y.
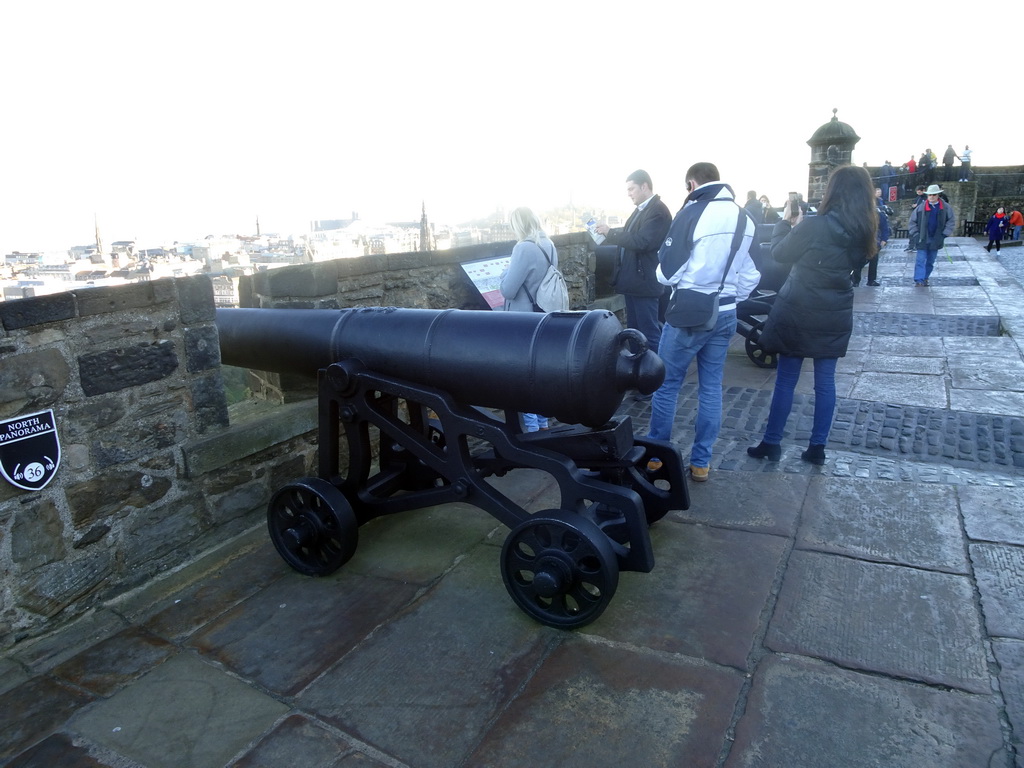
{"type": "Point", "coordinates": [831, 146]}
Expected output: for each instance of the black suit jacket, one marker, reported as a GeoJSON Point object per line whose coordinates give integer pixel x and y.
{"type": "Point", "coordinates": [635, 271]}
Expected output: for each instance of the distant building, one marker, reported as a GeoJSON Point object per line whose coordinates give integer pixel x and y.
{"type": "Point", "coordinates": [123, 248]}
{"type": "Point", "coordinates": [82, 251]}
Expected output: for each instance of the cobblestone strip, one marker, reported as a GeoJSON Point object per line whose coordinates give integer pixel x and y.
{"type": "Point", "coordinates": [959, 438]}
{"type": "Point", "coordinates": [908, 324]}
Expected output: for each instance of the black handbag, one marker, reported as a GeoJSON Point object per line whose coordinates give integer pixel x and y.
{"type": "Point", "coordinates": [695, 310]}
{"type": "Point", "coordinates": [692, 309]}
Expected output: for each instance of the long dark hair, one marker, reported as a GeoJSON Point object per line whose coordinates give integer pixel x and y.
{"type": "Point", "coordinates": [850, 197]}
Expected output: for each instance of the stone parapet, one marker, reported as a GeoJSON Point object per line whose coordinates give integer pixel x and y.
{"type": "Point", "coordinates": [150, 473]}
{"type": "Point", "coordinates": [424, 279]}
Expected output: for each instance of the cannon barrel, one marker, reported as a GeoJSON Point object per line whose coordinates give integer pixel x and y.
{"type": "Point", "coordinates": [572, 366]}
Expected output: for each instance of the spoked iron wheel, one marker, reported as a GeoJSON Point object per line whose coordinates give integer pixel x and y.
{"type": "Point", "coordinates": [312, 526]}
{"type": "Point", "coordinates": [759, 357]}
{"type": "Point", "coordinates": [560, 569]}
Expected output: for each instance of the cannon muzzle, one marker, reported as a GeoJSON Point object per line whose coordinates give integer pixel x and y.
{"type": "Point", "coordinates": [573, 366]}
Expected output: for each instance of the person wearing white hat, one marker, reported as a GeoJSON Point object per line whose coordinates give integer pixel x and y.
{"type": "Point", "coordinates": [931, 222]}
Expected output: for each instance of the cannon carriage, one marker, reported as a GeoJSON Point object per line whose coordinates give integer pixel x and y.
{"type": "Point", "coordinates": [426, 405]}
{"type": "Point", "coordinates": [752, 312]}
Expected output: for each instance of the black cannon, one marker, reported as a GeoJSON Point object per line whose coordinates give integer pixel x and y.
{"type": "Point", "coordinates": [444, 389]}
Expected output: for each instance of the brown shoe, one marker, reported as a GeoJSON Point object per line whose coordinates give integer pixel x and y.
{"type": "Point", "coordinates": [699, 474]}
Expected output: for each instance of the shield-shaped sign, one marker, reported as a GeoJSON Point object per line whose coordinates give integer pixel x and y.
{"type": "Point", "coordinates": [29, 450]}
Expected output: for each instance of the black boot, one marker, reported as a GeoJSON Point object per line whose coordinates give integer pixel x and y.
{"type": "Point", "coordinates": [765, 450]}
{"type": "Point", "coordinates": [815, 454]}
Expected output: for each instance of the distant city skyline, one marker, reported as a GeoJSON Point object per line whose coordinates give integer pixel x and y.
{"type": "Point", "coordinates": [180, 122]}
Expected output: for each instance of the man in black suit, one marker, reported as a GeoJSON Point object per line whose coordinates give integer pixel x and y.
{"type": "Point", "coordinates": [635, 272]}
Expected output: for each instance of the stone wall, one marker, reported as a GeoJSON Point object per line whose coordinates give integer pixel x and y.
{"type": "Point", "coordinates": [976, 200]}
{"type": "Point", "coordinates": [146, 479]}
{"type": "Point", "coordinates": [425, 279]}
{"type": "Point", "coordinates": [152, 473]}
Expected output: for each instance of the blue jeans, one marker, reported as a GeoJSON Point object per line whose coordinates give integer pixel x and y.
{"type": "Point", "coordinates": [532, 422]}
{"type": "Point", "coordinates": [679, 346]}
{"type": "Point", "coordinates": [924, 264]}
{"type": "Point", "coordinates": [1016, 233]}
{"type": "Point", "coordinates": [786, 377]}
{"type": "Point", "coordinates": [642, 314]}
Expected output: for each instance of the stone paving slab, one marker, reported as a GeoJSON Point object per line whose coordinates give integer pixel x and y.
{"type": "Point", "coordinates": [297, 740]}
{"type": "Point", "coordinates": [766, 504]}
{"type": "Point", "coordinates": [984, 373]}
{"type": "Point", "coordinates": [911, 346]}
{"type": "Point", "coordinates": [11, 675]}
{"type": "Point", "coordinates": [883, 363]}
{"type": "Point", "coordinates": [420, 543]}
{"type": "Point", "coordinates": [889, 619]}
{"type": "Point", "coordinates": [183, 714]}
{"type": "Point", "coordinates": [869, 721]}
{"type": "Point", "coordinates": [290, 632]}
{"type": "Point", "coordinates": [704, 598]}
{"type": "Point", "coordinates": [966, 308]}
{"type": "Point", "coordinates": [178, 615]}
{"type": "Point", "coordinates": [30, 711]}
{"type": "Point", "coordinates": [853, 362]}
{"type": "Point", "coordinates": [60, 750]}
{"type": "Point", "coordinates": [884, 521]}
{"type": "Point", "coordinates": [999, 347]}
{"type": "Point", "coordinates": [425, 686]}
{"type": "Point", "coordinates": [901, 389]}
{"type": "Point", "coordinates": [993, 513]}
{"type": "Point", "coordinates": [116, 662]}
{"type": "Point", "coordinates": [987, 401]}
{"type": "Point", "coordinates": [590, 701]}
{"type": "Point", "coordinates": [999, 569]}
{"type": "Point", "coordinates": [45, 653]}
{"type": "Point", "coordinates": [1010, 656]}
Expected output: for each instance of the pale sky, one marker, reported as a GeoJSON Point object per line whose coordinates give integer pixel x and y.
{"type": "Point", "coordinates": [180, 120]}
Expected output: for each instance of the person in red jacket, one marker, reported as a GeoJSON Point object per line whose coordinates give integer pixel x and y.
{"type": "Point", "coordinates": [1016, 221]}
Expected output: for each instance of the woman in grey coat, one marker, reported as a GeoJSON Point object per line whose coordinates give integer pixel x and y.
{"type": "Point", "coordinates": [519, 283]}
{"type": "Point", "coordinates": [530, 258]}
{"type": "Point", "coordinates": [813, 313]}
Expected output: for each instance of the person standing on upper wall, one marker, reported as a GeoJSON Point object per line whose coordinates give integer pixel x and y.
{"type": "Point", "coordinates": [965, 164]}
{"type": "Point", "coordinates": [947, 161]}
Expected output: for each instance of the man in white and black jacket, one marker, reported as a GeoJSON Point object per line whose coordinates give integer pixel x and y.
{"type": "Point", "coordinates": [694, 256]}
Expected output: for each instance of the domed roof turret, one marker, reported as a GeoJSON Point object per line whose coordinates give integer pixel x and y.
{"type": "Point", "coordinates": [834, 132]}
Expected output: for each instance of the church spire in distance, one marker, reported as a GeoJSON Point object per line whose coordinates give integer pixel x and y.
{"type": "Point", "coordinates": [425, 239]}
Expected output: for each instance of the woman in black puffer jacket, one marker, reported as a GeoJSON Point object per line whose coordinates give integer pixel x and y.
{"type": "Point", "coordinates": [813, 312]}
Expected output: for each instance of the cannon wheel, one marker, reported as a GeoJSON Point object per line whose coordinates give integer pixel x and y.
{"type": "Point", "coordinates": [759, 356]}
{"type": "Point", "coordinates": [559, 569]}
{"type": "Point", "coordinates": [312, 526]}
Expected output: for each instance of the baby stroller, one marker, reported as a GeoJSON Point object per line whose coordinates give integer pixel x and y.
{"type": "Point", "coordinates": [752, 312]}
